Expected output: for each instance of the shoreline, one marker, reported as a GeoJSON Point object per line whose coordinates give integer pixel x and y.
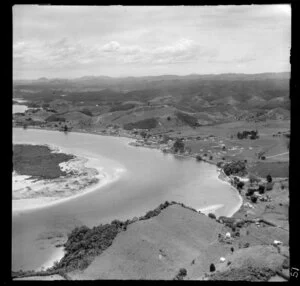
{"type": "Point", "coordinates": [87, 164]}
{"type": "Point", "coordinates": [234, 211]}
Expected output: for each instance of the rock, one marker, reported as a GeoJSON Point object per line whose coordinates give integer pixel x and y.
{"type": "Point", "coordinates": [228, 235]}
{"type": "Point", "coordinates": [277, 242]}
{"type": "Point", "coordinates": [222, 259]}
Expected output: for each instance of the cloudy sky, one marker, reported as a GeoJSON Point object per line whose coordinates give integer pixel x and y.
{"type": "Point", "coordinates": [70, 41]}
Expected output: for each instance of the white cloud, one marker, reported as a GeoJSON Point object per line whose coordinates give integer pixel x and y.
{"type": "Point", "coordinates": [64, 53]}
{"type": "Point", "coordinates": [111, 47]}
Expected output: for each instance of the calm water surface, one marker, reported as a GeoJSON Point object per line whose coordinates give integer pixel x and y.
{"type": "Point", "coordinates": [151, 178]}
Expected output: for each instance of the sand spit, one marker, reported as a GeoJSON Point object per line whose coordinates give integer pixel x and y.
{"type": "Point", "coordinates": [84, 175]}
{"type": "Point", "coordinates": [210, 209]}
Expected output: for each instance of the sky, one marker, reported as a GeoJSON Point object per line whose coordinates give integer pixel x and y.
{"type": "Point", "coordinates": [120, 41]}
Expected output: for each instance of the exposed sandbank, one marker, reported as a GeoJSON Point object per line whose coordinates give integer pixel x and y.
{"type": "Point", "coordinates": [85, 175]}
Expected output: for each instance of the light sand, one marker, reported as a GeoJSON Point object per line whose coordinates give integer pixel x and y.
{"type": "Point", "coordinates": [210, 209]}
{"type": "Point", "coordinates": [56, 256]}
{"type": "Point", "coordinates": [88, 176]}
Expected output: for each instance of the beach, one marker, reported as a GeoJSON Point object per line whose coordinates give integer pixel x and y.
{"type": "Point", "coordinates": [84, 175]}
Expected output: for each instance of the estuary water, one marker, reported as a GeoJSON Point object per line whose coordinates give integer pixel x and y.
{"type": "Point", "coordinates": [150, 178]}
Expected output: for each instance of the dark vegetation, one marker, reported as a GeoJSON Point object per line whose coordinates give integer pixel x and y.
{"type": "Point", "coordinates": [188, 119]}
{"type": "Point", "coordinates": [178, 146]}
{"type": "Point", "coordinates": [235, 168]}
{"type": "Point", "coordinates": [211, 215]}
{"type": "Point", "coordinates": [181, 274]}
{"type": "Point", "coordinates": [248, 134]}
{"type": "Point", "coordinates": [86, 112]}
{"type": "Point", "coordinates": [198, 158]}
{"type": "Point", "coordinates": [149, 123]}
{"type": "Point", "coordinates": [38, 161]}
{"type": "Point", "coordinates": [212, 268]}
{"type": "Point", "coordinates": [122, 107]}
{"type": "Point", "coordinates": [54, 118]}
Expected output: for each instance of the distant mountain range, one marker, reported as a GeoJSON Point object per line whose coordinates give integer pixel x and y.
{"type": "Point", "coordinates": [209, 98]}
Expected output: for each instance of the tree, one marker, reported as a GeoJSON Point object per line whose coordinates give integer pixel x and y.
{"type": "Point", "coordinates": [66, 129]}
{"type": "Point", "coordinates": [240, 185]}
{"type": "Point", "coordinates": [211, 215]}
{"type": "Point", "coordinates": [168, 118]}
{"type": "Point", "coordinates": [178, 145]}
{"type": "Point", "coordinates": [261, 189]}
{"type": "Point", "coordinates": [198, 158]}
{"type": "Point", "coordinates": [269, 178]}
{"type": "Point", "coordinates": [182, 272]}
{"type": "Point", "coordinates": [253, 199]}
{"type": "Point", "coordinates": [212, 267]}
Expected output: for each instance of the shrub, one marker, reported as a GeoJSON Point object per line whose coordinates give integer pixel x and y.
{"type": "Point", "coordinates": [211, 215]}
{"type": "Point", "coordinates": [198, 158]}
{"type": "Point", "coordinates": [269, 178]}
{"type": "Point", "coordinates": [261, 189]}
{"type": "Point", "coordinates": [168, 118]}
{"type": "Point", "coordinates": [212, 267]}
{"type": "Point", "coordinates": [253, 199]}
{"type": "Point", "coordinates": [240, 185]}
{"type": "Point", "coordinates": [178, 145]}
{"type": "Point", "coordinates": [263, 157]}
{"type": "Point", "coordinates": [237, 167]}
{"type": "Point", "coordinates": [182, 273]}
{"type": "Point", "coordinates": [210, 157]}
{"type": "Point", "coordinates": [248, 134]}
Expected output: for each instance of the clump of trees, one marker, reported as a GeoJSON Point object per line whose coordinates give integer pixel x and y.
{"type": "Point", "coordinates": [181, 274]}
{"type": "Point", "coordinates": [178, 146]}
{"type": "Point", "coordinates": [54, 117]}
{"type": "Point", "coordinates": [261, 189]}
{"type": "Point", "coordinates": [121, 107]}
{"type": "Point", "coordinates": [240, 185]}
{"type": "Point", "coordinates": [212, 267]}
{"type": "Point", "coordinates": [269, 178]}
{"type": "Point", "coordinates": [198, 158]}
{"type": "Point", "coordinates": [211, 215]}
{"type": "Point", "coordinates": [237, 167]}
{"type": "Point", "coordinates": [149, 123]}
{"type": "Point", "coordinates": [188, 119]}
{"type": "Point", "coordinates": [253, 134]}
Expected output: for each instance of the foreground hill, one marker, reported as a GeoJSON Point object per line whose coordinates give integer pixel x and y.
{"type": "Point", "coordinates": [157, 248]}
{"type": "Point", "coordinates": [180, 238]}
